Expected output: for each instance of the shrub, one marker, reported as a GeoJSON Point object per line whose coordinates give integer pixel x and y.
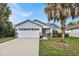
{"type": "Point", "coordinates": [66, 35]}
{"type": "Point", "coordinates": [41, 36]}
{"type": "Point", "coordinates": [55, 35]}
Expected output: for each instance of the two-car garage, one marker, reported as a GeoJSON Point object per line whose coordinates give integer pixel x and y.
{"type": "Point", "coordinates": [28, 29]}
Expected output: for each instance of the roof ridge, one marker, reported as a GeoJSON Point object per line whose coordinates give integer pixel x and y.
{"type": "Point", "coordinates": [22, 22]}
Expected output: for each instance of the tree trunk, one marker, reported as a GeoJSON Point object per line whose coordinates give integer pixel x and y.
{"type": "Point", "coordinates": [63, 31]}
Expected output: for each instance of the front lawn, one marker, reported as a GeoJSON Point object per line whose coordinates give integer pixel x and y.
{"type": "Point", "coordinates": [52, 47]}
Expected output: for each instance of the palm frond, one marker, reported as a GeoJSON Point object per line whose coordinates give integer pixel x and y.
{"type": "Point", "coordinates": [62, 10]}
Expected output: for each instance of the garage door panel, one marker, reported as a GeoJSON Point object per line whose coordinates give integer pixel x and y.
{"type": "Point", "coordinates": [28, 34]}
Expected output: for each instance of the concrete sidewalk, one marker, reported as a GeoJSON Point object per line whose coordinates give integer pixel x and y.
{"type": "Point", "coordinates": [20, 47]}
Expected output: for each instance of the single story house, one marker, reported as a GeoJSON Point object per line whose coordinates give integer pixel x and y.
{"type": "Point", "coordinates": [73, 30]}
{"type": "Point", "coordinates": [35, 28]}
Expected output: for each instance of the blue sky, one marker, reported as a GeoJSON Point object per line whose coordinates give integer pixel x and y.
{"type": "Point", "coordinates": [24, 11]}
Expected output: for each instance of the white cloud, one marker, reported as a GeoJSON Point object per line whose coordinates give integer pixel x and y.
{"type": "Point", "coordinates": [18, 14]}
{"type": "Point", "coordinates": [18, 10]}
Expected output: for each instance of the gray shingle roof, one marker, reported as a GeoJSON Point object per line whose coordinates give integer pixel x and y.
{"type": "Point", "coordinates": [43, 23]}
{"type": "Point", "coordinates": [53, 25]}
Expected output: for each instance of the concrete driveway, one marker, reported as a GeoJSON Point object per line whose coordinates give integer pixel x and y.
{"type": "Point", "coordinates": [20, 47]}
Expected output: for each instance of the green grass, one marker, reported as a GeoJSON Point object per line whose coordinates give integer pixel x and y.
{"type": "Point", "coordinates": [52, 47]}
{"type": "Point", "coordinates": [2, 40]}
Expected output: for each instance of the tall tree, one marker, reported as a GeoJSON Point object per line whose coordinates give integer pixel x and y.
{"type": "Point", "coordinates": [61, 11]}
{"type": "Point", "coordinates": [5, 11]}
{"type": "Point", "coordinates": [5, 25]}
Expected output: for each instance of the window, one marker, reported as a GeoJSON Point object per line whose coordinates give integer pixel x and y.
{"type": "Point", "coordinates": [19, 29]}
{"type": "Point", "coordinates": [24, 29]}
{"type": "Point", "coordinates": [27, 29]}
{"type": "Point", "coordinates": [32, 29]}
{"type": "Point", "coordinates": [37, 29]}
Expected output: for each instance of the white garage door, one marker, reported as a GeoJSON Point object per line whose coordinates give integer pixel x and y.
{"type": "Point", "coordinates": [28, 32]}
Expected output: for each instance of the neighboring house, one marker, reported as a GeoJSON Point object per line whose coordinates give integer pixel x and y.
{"type": "Point", "coordinates": [34, 28]}
{"type": "Point", "coordinates": [73, 30]}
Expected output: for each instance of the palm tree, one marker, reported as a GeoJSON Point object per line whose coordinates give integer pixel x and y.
{"type": "Point", "coordinates": [61, 11]}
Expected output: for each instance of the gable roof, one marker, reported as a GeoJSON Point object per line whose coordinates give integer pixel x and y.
{"type": "Point", "coordinates": [72, 27]}
{"type": "Point", "coordinates": [53, 25]}
{"type": "Point", "coordinates": [43, 23]}
{"type": "Point", "coordinates": [27, 21]}
{"type": "Point", "coordinates": [47, 24]}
